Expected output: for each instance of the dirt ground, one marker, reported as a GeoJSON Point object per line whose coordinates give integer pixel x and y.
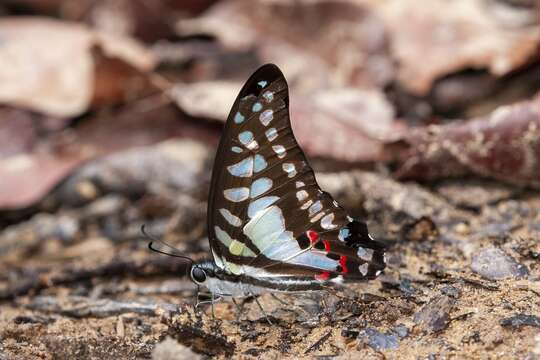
{"type": "Point", "coordinates": [463, 279]}
{"type": "Point", "coordinates": [420, 117]}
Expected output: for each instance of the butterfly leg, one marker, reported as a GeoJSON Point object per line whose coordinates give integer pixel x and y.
{"type": "Point", "coordinates": [278, 299]}
{"type": "Point", "coordinates": [262, 309]}
{"type": "Point", "coordinates": [213, 313]}
{"type": "Point", "coordinates": [239, 309]}
{"type": "Point", "coordinates": [196, 303]}
{"type": "Point", "coordinates": [211, 302]}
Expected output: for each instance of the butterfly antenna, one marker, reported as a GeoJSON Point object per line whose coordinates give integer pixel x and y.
{"type": "Point", "coordinates": [155, 239]}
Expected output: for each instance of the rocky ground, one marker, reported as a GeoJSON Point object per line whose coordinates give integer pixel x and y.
{"type": "Point", "coordinates": [463, 278]}
{"type": "Point", "coordinates": [422, 118]}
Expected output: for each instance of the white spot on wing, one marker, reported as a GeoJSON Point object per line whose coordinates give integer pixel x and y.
{"type": "Point", "coordinates": [244, 168]}
{"type": "Point", "coordinates": [256, 107]}
{"type": "Point", "coordinates": [237, 149]}
{"type": "Point", "coordinates": [268, 96]}
{"type": "Point", "coordinates": [363, 269]}
{"type": "Point", "coordinates": [306, 205]}
{"type": "Point", "coordinates": [246, 138]}
{"type": "Point", "coordinates": [260, 186]}
{"type": "Point", "coordinates": [315, 208]}
{"type": "Point", "coordinates": [343, 234]}
{"type": "Point", "coordinates": [217, 259]}
{"type": "Point", "coordinates": [365, 254]}
{"type": "Point", "coordinates": [280, 151]}
{"type": "Point", "coordinates": [236, 194]}
{"type": "Point", "coordinates": [230, 217]}
{"type": "Point", "coordinates": [300, 184]}
{"type": "Point", "coordinates": [260, 163]}
{"type": "Point", "coordinates": [301, 195]}
{"type": "Point", "coordinates": [262, 83]}
{"type": "Point", "coordinates": [265, 228]}
{"type": "Point", "coordinates": [222, 236]}
{"type": "Point", "coordinates": [260, 204]}
{"type": "Point", "coordinates": [290, 169]}
{"type": "Point", "coordinates": [326, 222]}
{"type": "Point", "coordinates": [266, 116]}
{"type": "Point", "coordinates": [238, 118]}
{"type": "Point", "coordinates": [317, 217]}
{"type": "Point", "coordinates": [271, 134]}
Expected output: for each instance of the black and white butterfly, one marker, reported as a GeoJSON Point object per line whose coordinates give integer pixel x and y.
{"type": "Point", "coordinates": [271, 228]}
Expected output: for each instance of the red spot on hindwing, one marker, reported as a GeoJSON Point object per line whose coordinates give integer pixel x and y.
{"type": "Point", "coordinates": [343, 264]}
{"type": "Point", "coordinates": [313, 236]}
{"type": "Point", "coordinates": [326, 245]}
{"type": "Point", "coordinates": [323, 276]}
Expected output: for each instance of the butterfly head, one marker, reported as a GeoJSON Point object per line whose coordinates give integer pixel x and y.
{"type": "Point", "coordinates": [200, 273]}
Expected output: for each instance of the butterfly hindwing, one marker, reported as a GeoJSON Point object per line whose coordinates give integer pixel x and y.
{"type": "Point", "coordinates": [267, 215]}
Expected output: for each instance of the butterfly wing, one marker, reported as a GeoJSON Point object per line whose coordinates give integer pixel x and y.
{"type": "Point", "coordinates": [267, 214]}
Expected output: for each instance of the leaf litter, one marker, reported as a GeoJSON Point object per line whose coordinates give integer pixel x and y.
{"type": "Point", "coordinates": [450, 198]}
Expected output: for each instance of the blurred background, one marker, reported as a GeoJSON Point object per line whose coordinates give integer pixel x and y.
{"type": "Point", "coordinates": [420, 117]}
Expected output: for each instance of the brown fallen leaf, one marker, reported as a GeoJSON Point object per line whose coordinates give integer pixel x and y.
{"type": "Point", "coordinates": [49, 66]}
{"type": "Point", "coordinates": [315, 43]}
{"type": "Point", "coordinates": [146, 20]}
{"type": "Point", "coordinates": [359, 121]}
{"type": "Point", "coordinates": [345, 124]}
{"type": "Point", "coordinates": [504, 145]}
{"type": "Point", "coordinates": [206, 99]}
{"type": "Point", "coordinates": [28, 176]}
{"type": "Point", "coordinates": [468, 34]}
{"type": "Point", "coordinates": [18, 131]}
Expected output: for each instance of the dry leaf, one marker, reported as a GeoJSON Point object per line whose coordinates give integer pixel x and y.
{"type": "Point", "coordinates": [27, 177]}
{"type": "Point", "coordinates": [313, 42]}
{"type": "Point", "coordinates": [146, 20]}
{"type": "Point", "coordinates": [208, 99]}
{"type": "Point", "coordinates": [344, 124]}
{"type": "Point", "coordinates": [504, 145]}
{"type": "Point", "coordinates": [359, 121]}
{"type": "Point", "coordinates": [467, 34]}
{"type": "Point", "coordinates": [48, 66]}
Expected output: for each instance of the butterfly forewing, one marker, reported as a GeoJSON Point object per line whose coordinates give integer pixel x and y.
{"type": "Point", "coordinates": [267, 215]}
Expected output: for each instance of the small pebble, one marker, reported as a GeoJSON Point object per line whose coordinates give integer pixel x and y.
{"type": "Point", "coordinates": [494, 264]}
{"type": "Point", "coordinates": [170, 349]}
{"type": "Point", "coordinates": [401, 331]}
{"type": "Point", "coordinates": [120, 329]}
{"type": "Point", "coordinates": [462, 229]}
{"type": "Point", "coordinates": [379, 340]}
{"type": "Point", "coordinates": [87, 190]}
{"type": "Point", "coordinates": [521, 320]}
{"type": "Point", "coordinates": [434, 315]}
{"type": "Point", "coordinates": [451, 291]}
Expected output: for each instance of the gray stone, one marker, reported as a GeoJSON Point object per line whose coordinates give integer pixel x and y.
{"type": "Point", "coordinates": [379, 340]}
{"type": "Point", "coordinates": [520, 320]}
{"type": "Point", "coordinates": [494, 264]}
{"type": "Point", "coordinates": [170, 349]}
{"type": "Point", "coordinates": [434, 315]}
{"type": "Point", "coordinates": [401, 331]}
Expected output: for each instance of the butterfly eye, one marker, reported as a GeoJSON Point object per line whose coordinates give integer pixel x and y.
{"type": "Point", "coordinates": [198, 275]}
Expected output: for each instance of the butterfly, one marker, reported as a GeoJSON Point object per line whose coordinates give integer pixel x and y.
{"type": "Point", "coordinates": [270, 226]}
